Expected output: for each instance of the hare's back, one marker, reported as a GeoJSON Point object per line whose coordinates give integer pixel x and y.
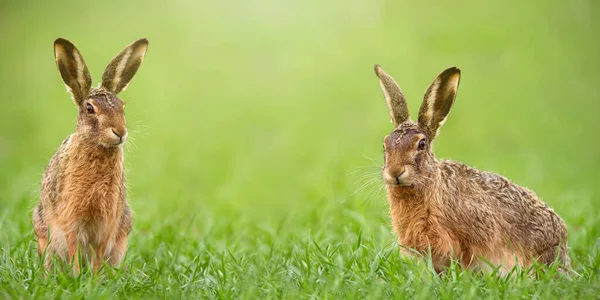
{"type": "Point", "coordinates": [517, 210]}
{"type": "Point", "coordinates": [496, 189]}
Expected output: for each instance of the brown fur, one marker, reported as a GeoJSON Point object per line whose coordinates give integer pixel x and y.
{"type": "Point", "coordinates": [455, 211]}
{"type": "Point", "coordinates": [83, 205]}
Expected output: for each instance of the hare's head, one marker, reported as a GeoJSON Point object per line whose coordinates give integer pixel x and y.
{"type": "Point", "coordinates": [408, 158]}
{"type": "Point", "coordinates": [101, 117]}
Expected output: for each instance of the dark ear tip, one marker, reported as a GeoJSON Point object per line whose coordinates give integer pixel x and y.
{"type": "Point", "coordinates": [454, 70]}
{"type": "Point", "coordinates": [141, 41]}
{"type": "Point", "coordinates": [62, 45]}
{"type": "Point", "coordinates": [377, 69]}
{"type": "Point", "coordinates": [62, 42]}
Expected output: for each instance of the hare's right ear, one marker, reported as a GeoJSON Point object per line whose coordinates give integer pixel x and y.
{"type": "Point", "coordinates": [72, 69]}
{"type": "Point", "coordinates": [393, 96]}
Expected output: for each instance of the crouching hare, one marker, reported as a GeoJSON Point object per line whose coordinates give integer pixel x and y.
{"type": "Point", "coordinates": [455, 212]}
{"type": "Point", "coordinates": [82, 205]}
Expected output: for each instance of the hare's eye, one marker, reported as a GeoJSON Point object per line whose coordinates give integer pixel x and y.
{"type": "Point", "coordinates": [422, 144]}
{"type": "Point", "coordinates": [90, 109]}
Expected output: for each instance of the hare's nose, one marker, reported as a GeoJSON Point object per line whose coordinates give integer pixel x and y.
{"type": "Point", "coordinates": [120, 133]}
{"type": "Point", "coordinates": [117, 134]}
{"type": "Point", "coordinates": [397, 172]}
{"type": "Point", "coordinates": [397, 177]}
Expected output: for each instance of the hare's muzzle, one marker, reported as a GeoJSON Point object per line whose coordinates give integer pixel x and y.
{"type": "Point", "coordinates": [119, 135]}
{"type": "Point", "coordinates": [396, 176]}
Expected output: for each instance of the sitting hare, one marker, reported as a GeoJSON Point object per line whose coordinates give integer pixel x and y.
{"type": "Point", "coordinates": [82, 205]}
{"type": "Point", "coordinates": [453, 211]}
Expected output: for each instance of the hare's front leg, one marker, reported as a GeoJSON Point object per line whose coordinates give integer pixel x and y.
{"type": "Point", "coordinates": [98, 255]}
{"type": "Point", "coordinates": [120, 244]}
{"type": "Point", "coordinates": [118, 251]}
{"type": "Point", "coordinates": [440, 263]}
{"type": "Point", "coordinates": [40, 229]}
{"type": "Point", "coordinates": [72, 247]}
{"type": "Point", "coordinates": [407, 253]}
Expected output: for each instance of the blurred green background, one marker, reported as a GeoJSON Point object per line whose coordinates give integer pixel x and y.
{"type": "Point", "coordinates": [254, 122]}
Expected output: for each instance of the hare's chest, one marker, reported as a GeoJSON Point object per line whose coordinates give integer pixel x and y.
{"type": "Point", "coordinates": [418, 228]}
{"type": "Point", "coordinates": [425, 239]}
{"type": "Point", "coordinates": [90, 194]}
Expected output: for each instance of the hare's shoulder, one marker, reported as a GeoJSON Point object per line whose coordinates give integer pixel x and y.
{"type": "Point", "coordinates": [458, 170]}
{"type": "Point", "coordinates": [51, 178]}
{"type": "Point", "coordinates": [492, 185]}
{"type": "Point", "coordinates": [56, 159]}
{"type": "Point", "coordinates": [486, 181]}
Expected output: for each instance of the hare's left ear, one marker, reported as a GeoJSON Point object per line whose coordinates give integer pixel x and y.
{"type": "Point", "coordinates": [438, 101]}
{"type": "Point", "coordinates": [122, 67]}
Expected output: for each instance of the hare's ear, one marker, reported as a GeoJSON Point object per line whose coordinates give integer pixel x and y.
{"type": "Point", "coordinates": [393, 96]}
{"type": "Point", "coordinates": [72, 69]}
{"type": "Point", "coordinates": [122, 67]}
{"type": "Point", "coordinates": [438, 101]}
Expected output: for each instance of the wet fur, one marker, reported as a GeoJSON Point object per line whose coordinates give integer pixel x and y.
{"type": "Point", "coordinates": [456, 212]}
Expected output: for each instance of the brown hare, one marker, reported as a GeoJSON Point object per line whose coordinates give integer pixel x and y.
{"type": "Point", "coordinates": [82, 205]}
{"type": "Point", "coordinates": [455, 212]}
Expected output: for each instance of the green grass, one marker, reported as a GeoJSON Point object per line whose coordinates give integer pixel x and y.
{"type": "Point", "coordinates": [253, 167]}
